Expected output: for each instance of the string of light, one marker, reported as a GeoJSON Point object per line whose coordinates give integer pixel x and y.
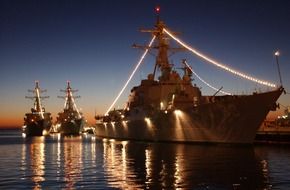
{"type": "Point", "coordinates": [65, 102]}
{"type": "Point", "coordinates": [206, 83]}
{"type": "Point", "coordinates": [74, 104]}
{"type": "Point", "coordinates": [132, 74]}
{"type": "Point", "coordinates": [38, 95]}
{"type": "Point", "coordinates": [69, 94]}
{"type": "Point", "coordinates": [199, 54]}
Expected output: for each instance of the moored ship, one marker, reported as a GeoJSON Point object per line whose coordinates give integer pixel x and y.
{"type": "Point", "coordinates": [280, 121]}
{"type": "Point", "coordinates": [38, 122]}
{"type": "Point", "coordinates": [277, 130]}
{"type": "Point", "coordinates": [70, 121]}
{"type": "Point", "coordinates": [170, 108]}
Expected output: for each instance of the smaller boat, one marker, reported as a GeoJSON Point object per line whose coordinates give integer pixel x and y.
{"type": "Point", "coordinates": [70, 121]}
{"type": "Point", "coordinates": [38, 122]}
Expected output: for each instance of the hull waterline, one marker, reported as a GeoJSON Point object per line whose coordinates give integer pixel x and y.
{"type": "Point", "coordinates": [235, 120]}
{"type": "Point", "coordinates": [71, 128]}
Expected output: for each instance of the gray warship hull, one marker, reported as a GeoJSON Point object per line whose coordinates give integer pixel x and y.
{"type": "Point", "coordinates": [70, 121]}
{"type": "Point", "coordinates": [71, 128]}
{"type": "Point", "coordinates": [35, 126]}
{"type": "Point", "coordinates": [38, 122]}
{"type": "Point", "coordinates": [168, 107]}
{"type": "Point", "coordinates": [230, 119]}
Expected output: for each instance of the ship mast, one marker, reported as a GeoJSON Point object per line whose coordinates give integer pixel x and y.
{"type": "Point", "coordinates": [162, 47]}
{"type": "Point", "coordinates": [69, 104]}
{"type": "Point", "coordinates": [37, 99]}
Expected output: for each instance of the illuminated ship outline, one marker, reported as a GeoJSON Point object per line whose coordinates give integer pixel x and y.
{"type": "Point", "coordinates": [38, 122]}
{"type": "Point", "coordinates": [172, 109]}
{"type": "Point", "coordinates": [70, 121]}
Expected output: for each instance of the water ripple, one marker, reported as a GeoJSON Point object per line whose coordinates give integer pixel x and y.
{"type": "Point", "coordinates": [83, 162]}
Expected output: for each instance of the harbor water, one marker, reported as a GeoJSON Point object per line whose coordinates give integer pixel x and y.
{"type": "Point", "coordinates": [85, 162]}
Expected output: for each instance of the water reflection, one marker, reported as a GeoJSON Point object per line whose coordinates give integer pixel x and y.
{"type": "Point", "coordinates": [58, 161]}
{"type": "Point", "coordinates": [72, 148]}
{"type": "Point", "coordinates": [274, 161]}
{"type": "Point", "coordinates": [173, 166]}
{"type": "Point", "coordinates": [117, 165]}
{"type": "Point", "coordinates": [33, 159]}
{"type": "Point", "coordinates": [84, 162]}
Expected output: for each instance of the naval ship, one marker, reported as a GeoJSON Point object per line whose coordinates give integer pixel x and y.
{"type": "Point", "coordinates": [170, 108]}
{"type": "Point", "coordinates": [38, 122]}
{"type": "Point", "coordinates": [275, 131]}
{"type": "Point", "coordinates": [70, 121]}
{"type": "Point", "coordinates": [281, 120]}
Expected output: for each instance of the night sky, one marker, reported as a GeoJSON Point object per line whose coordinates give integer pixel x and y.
{"type": "Point", "coordinates": [89, 43]}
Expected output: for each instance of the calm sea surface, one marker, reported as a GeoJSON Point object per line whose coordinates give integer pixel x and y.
{"type": "Point", "coordinates": [85, 162]}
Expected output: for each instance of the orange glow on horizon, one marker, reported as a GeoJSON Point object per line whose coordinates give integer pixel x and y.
{"type": "Point", "coordinates": [16, 120]}
{"type": "Point", "coordinates": [11, 122]}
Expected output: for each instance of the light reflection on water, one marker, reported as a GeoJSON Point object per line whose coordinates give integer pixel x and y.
{"type": "Point", "coordinates": [90, 163]}
{"type": "Point", "coordinates": [171, 166]}
{"type": "Point", "coordinates": [57, 161]}
{"type": "Point", "coordinates": [33, 159]}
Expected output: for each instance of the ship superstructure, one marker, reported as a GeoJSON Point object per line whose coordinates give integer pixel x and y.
{"type": "Point", "coordinates": [70, 121]}
{"type": "Point", "coordinates": [38, 122]}
{"type": "Point", "coordinates": [169, 107]}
